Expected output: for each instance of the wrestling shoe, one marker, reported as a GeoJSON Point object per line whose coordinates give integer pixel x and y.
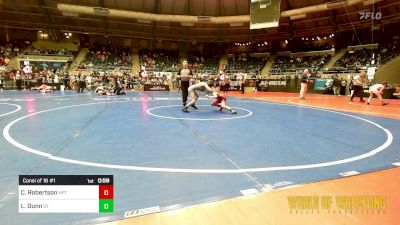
{"type": "Point", "coordinates": [194, 107]}
{"type": "Point", "coordinates": [233, 112]}
{"type": "Point", "coordinates": [385, 103]}
{"type": "Point", "coordinates": [185, 110]}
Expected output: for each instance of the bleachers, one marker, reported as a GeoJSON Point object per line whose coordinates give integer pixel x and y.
{"type": "Point", "coordinates": [159, 60]}
{"type": "Point", "coordinates": [201, 63]}
{"type": "Point", "coordinates": [9, 50]}
{"type": "Point", "coordinates": [50, 52]}
{"type": "Point", "coordinates": [387, 51]}
{"type": "Point", "coordinates": [107, 58]}
{"type": "Point", "coordinates": [356, 59]}
{"type": "Point", "coordinates": [244, 63]}
{"type": "Point", "coordinates": [298, 63]}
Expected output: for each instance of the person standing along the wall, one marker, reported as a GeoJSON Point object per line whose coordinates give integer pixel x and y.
{"type": "Point", "coordinates": [336, 86]}
{"type": "Point", "coordinates": [343, 85]}
{"type": "Point", "coordinates": [303, 84]}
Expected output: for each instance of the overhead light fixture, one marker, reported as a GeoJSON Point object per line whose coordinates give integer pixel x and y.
{"type": "Point", "coordinates": [286, 41]}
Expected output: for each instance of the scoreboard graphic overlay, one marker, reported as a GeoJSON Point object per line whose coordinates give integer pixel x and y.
{"type": "Point", "coordinates": [66, 194]}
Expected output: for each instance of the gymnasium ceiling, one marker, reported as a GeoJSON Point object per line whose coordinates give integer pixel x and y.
{"type": "Point", "coordinates": [44, 15]}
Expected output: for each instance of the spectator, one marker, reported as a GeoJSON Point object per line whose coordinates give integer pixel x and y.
{"type": "Point", "coordinates": [81, 82]}
{"type": "Point", "coordinates": [18, 80]}
{"type": "Point", "coordinates": [336, 86]}
{"type": "Point", "coordinates": [343, 85]}
{"type": "Point", "coordinates": [304, 81]}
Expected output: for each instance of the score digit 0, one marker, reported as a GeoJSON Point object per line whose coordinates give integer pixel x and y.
{"type": "Point", "coordinates": [106, 192]}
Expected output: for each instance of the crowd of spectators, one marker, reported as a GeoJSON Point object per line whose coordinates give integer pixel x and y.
{"type": "Point", "coordinates": [110, 57]}
{"type": "Point", "coordinates": [362, 58]}
{"type": "Point", "coordinates": [299, 63]}
{"type": "Point", "coordinates": [50, 52]}
{"type": "Point", "coordinates": [11, 49]}
{"type": "Point", "coordinates": [388, 50]}
{"type": "Point", "coordinates": [243, 62]}
{"type": "Point", "coordinates": [356, 59]}
{"type": "Point", "coordinates": [159, 60]}
{"type": "Point", "coordinates": [202, 63]}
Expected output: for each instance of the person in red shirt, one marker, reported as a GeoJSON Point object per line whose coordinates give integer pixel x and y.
{"type": "Point", "coordinates": [220, 101]}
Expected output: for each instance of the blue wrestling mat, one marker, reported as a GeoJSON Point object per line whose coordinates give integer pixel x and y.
{"type": "Point", "coordinates": [161, 156]}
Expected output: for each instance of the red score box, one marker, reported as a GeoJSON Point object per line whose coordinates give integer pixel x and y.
{"type": "Point", "coordinates": [106, 192]}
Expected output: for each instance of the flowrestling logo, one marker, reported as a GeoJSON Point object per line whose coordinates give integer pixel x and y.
{"type": "Point", "coordinates": [370, 15]}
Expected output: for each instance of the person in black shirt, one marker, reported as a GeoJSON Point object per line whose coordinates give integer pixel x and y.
{"type": "Point", "coordinates": [296, 81]}
{"type": "Point", "coordinates": [185, 75]}
{"type": "Point", "coordinates": [66, 80]}
{"type": "Point", "coordinates": [336, 86]}
{"type": "Point", "coordinates": [81, 82]}
{"type": "Point", "coordinates": [343, 85]}
{"type": "Point", "coordinates": [303, 83]}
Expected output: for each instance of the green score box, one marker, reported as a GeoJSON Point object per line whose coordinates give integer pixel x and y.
{"type": "Point", "coordinates": [106, 205]}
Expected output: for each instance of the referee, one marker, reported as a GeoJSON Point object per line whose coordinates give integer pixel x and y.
{"type": "Point", "coordinates": [185, 74]}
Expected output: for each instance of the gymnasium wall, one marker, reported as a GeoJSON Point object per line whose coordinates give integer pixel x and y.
{"type": "Point", "coordinates": [390, 72]}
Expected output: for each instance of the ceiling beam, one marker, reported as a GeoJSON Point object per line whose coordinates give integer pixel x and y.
{"type": "Point", "coordinates": [49, 20]}
{"type": "Point", "coordinates": [189, 8]}
{"type": "Point", "coordinates": [5, 12]}
{"type": "Point", "coordinates": [206, 38]}
{"type": "Point", "coordinates": [156, 10]}
{"type": "Point", "coordinates": [104, 19]}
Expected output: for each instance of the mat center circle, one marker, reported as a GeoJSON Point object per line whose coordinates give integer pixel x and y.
{"type": "Point", "coordinates": [204, 112]}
